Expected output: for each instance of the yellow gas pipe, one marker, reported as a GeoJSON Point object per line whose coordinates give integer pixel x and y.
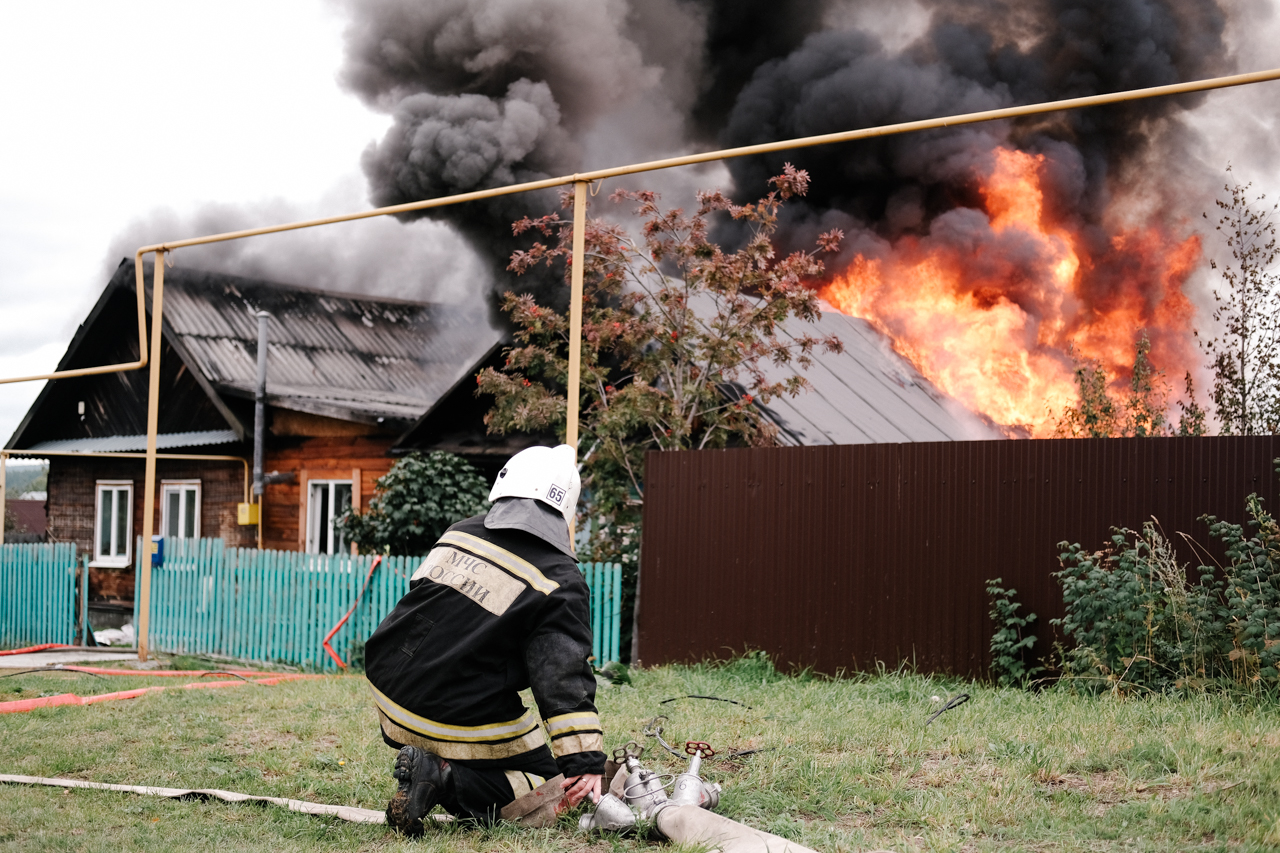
{"type": "Point", "coordinates": [580, 179]}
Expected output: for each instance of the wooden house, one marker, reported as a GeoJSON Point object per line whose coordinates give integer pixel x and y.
{"type": "Point", "coordinates": [347, 377]}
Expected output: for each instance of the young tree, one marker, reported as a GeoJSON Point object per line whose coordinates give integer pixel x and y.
{"type": "Point", "coordinates": [1245, 355]}
{"type": "Point", "coordinates": [1148, 395]}
{"type": "Point", "coordinates": [1192, 419]}
{"type": "Point", "coordinates": [676, 333]}
{"type": "Point", "coordinates": [1142, 412]}
{"type": "Point", "coordinates": [1095, 416]}
{"type": "Point", "coordinates": [415, 503]}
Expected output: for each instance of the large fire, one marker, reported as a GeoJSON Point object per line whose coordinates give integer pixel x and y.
{"type": "Point", "coordinates": [993, 304]}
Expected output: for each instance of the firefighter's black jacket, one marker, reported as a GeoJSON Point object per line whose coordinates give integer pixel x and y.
{"type": "Point", "coordinates": [489, 613]}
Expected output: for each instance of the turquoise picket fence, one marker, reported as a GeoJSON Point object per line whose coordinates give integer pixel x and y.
{"type": "Point", "coordinates": [267, 606]}
{"type": "Point", "coordinates": [278, 606]}
{"type": "Point", "coordinates": [37, 594]}
{"type": "Point", "coordinates": [604, 580]}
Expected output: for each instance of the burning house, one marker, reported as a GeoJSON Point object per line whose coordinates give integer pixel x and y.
{"type": "Point", "coordinates": [351, 383]}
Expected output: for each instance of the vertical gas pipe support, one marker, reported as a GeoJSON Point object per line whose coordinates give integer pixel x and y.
{"type": "Point", "coordinates": [573, 389]}
{"type": "Point", "coordinates": [260, 417]}
{"type": "Point", "coordinates": [4, 463]}
{"type": "Point", "coordinates": [143, 591]}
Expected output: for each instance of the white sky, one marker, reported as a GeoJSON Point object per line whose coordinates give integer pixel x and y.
{"type": "Point", "coordinates": [113, 111]}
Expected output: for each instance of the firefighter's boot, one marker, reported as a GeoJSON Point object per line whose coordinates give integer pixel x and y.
{"type": "Point", "coordinates": [424, 778]}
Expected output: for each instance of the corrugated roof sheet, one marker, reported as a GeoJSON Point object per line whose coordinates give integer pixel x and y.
{"type": "Point", "coordinates": [129, 443]}
{"type": "Point", "coordinates": [337, 355]}
{"type": "Point", "coordinates": [866, 395]}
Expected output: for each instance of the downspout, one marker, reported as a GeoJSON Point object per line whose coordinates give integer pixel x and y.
{"type": "Point", "coordinates": [260, 417]}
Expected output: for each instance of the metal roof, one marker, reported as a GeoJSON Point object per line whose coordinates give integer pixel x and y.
{"type": "Point", "coordinates": [338, 355]}
{"type": "Point", "coordinates": [129, 443]}
{"type": "Point", "coordinates": [866, 395]}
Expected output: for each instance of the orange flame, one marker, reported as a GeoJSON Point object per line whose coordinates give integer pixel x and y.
{"type": "Point", "coordinates": [991, 304]}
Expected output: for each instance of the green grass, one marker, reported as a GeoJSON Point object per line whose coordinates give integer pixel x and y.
{"type": "Point", "coordinates": [849, 765]}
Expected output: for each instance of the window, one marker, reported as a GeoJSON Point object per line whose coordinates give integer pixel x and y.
{"type": "Point", "coordinates": [180, 509]}
{"type": "Point", "coordinates": [327, 500]}
{"type": "Point", "coordinates": [113, 524]}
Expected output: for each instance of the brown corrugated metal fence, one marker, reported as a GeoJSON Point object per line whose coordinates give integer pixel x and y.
{"type": "Point", "coordinates": [839, 557]}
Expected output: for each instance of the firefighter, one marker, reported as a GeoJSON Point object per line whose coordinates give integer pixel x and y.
{"type": "Point", "coordinates": [498, 606]}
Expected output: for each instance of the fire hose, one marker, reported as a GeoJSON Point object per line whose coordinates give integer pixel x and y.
{"type": "Point", "coordinates": [325, 645]}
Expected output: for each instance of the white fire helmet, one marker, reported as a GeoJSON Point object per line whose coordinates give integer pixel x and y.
{"type": "Point", "coordinates": [547, 474]}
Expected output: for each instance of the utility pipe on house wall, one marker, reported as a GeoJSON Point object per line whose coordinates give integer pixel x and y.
{"type": "Point", "coordinates": [260, 417]}
{"type": "Point", "coordinates": [260, 404]}
{"type": "Point", "coordinates": [106, 454]}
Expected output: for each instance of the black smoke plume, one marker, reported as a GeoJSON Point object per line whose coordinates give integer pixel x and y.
{"type": "Point", "coordinates": [971, 58]}
{"type": "Point", "coordinates": [486, 92]}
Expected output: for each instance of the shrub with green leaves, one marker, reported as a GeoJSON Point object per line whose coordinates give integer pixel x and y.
{"type": "Point", "coordinates": [1011, 643]}
{"type": "Point", "coordinates": [415, 503]}
{"type": "Point", "coordinates": [1136, 618]}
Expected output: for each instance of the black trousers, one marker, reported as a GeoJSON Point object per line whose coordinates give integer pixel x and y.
{"type": "Point", "coordinates": [482, 787]}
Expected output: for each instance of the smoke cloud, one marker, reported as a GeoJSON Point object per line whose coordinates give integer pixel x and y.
{"type": "Point", "coordinates": [970, 58]}
{"type": "Point", "coordinates": [485, 92]}
{"type": "Point", "coordinates": [491, 92]}
{"type": "Point", "coordinates": [425, 261]}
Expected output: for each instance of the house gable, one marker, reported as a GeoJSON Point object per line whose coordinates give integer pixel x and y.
{"type": "Point", "coordinates": [116, 403]}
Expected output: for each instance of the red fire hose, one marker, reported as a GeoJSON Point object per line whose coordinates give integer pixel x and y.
{"type": "Point", "coordinates": [40, 648]}
{"type": "Point", "coordinates": [19, 706]}
{"type": "Point", "coordinates": [328, 648]}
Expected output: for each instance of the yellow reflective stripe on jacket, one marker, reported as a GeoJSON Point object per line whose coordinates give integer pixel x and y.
{"type": "Point", "coordinates": [575, 743]}
{"type": "Point", "coordinates": [462, 751]}
{"type": "Point", "coordinates": [443, 731]}
{"type": "Point", "coordinates": [581, 721]}
{"type": "Point", "coordinates": [518, 566]}
{"type": "Point", "coordinates": [522, 783]}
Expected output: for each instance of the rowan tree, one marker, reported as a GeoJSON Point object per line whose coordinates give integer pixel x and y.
{"type": "Point", "coordinates": [676, 334]}
{"type": "Point", "coordinates": [1245, 355]}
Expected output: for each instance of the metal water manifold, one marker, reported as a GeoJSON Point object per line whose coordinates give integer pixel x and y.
{"type": "Point", "coordinates": [611, 815]}
{"type": "Point", "coordinates": [690, 788]}
{"type": "Point", "coordinates": [645, 791]}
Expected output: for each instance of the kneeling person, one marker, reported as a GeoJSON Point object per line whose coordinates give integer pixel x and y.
{"type": "Point", "coordinates": [498, 606]}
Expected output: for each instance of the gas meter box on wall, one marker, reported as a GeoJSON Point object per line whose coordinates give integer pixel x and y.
{"type": "Point", "coordinates": [246, 513]}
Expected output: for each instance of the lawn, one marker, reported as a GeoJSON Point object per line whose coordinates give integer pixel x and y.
{"type": "Point", "coordinates": [848, 765]}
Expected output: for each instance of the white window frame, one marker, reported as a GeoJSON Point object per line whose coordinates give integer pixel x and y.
{"type": "Point", "coordinates": [167, 487]}
{"type": "Point", "coordinates": [313, 510]}
{"type": "Point", "coordinates": [113, 488]}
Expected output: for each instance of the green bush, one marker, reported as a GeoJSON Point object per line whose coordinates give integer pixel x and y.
{"type": "Point", "coordinates": [415, 503]}
{"type": "Point", "coordinates": [1135, 617]}
{"type": "Point", "coordinates": [1010, 645]}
